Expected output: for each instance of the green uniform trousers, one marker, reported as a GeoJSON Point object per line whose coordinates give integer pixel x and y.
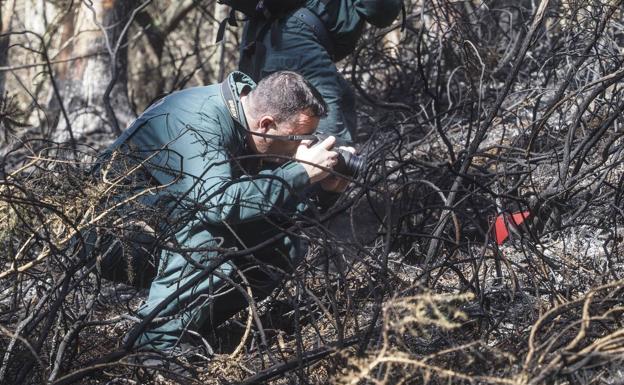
{"type": "Point", "coordinates": [213, 299]}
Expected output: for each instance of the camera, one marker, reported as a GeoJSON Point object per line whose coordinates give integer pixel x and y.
{"type": "Point", "coordinates": [348, 164]}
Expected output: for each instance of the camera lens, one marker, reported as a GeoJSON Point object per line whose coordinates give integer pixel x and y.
{"type": "Point", "coordinates": [348, 163]}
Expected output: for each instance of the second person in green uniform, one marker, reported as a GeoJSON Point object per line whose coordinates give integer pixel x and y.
{"type": "Point", "coordinates": [309, 40]}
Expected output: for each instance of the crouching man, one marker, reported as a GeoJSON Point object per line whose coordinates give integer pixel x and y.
{"type": "Point", "coordinates": [233, 175]}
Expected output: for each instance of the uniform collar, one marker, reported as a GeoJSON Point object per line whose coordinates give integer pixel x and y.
{"type": "Point", "coordinates": [232, 87]}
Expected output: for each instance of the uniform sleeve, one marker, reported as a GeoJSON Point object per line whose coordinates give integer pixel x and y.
{"type": "Point", "coordinates": [223, 198]}
{"type": "Point", "coordinates": [380, 13]}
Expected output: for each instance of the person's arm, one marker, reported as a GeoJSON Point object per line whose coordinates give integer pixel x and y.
{"type": "Point", "coordinates": [223, 198]}
{"type": "Point", "coordinates": [251, 197]}
{"type": "Point", "coordinates": [380, 13]}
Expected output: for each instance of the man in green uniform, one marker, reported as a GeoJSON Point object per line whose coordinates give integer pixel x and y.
{"type": "Point", "coordinates": [220, 159]}
{"type": "Point", "coordinates": [309, 40]}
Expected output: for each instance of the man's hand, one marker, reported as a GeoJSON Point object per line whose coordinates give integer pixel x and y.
{"type": "Point", "coordinates": [335, 183]}
{"type": "Point", "coordinates": [319, 154]}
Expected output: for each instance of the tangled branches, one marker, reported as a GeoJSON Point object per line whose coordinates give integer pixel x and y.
{"type": "Point", "coordinates": [474, 111]}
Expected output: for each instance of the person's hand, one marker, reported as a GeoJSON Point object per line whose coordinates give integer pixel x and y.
{"type": "Point", "coordinates": [319, 154]}
{"type": "Point", "coordinates": [334, 183]}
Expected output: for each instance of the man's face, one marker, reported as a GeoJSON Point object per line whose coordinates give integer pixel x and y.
{"type": "Point", "coordinates": [302, 124]}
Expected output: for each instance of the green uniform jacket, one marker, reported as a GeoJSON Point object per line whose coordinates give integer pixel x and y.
{"type": "Point", "coordinates": [190, 144]}
{"type": "Point", "coordinates": [290, 44]}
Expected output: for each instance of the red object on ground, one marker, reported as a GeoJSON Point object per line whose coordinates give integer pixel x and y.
{"type": "Point", "coordinates": [501, 232]}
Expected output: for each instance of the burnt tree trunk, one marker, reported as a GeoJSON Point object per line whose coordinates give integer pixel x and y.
{"type": "Point", "coordinates": [217, 60]}
{"type": "Point", "coordinates": [93, 106]}
{"type": "Point", "coordinates": [7, 9]}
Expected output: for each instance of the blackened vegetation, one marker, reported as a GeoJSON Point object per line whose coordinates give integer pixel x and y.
{"type": "Point", "coordinates": [480, 110]}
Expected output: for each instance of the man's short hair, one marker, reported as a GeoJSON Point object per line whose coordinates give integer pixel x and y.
{"type": "Point", "coordinates": [285, 94]}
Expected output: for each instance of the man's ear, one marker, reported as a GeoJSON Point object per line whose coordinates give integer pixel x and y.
{"type": "Point", "coordinates": [266, 123]}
